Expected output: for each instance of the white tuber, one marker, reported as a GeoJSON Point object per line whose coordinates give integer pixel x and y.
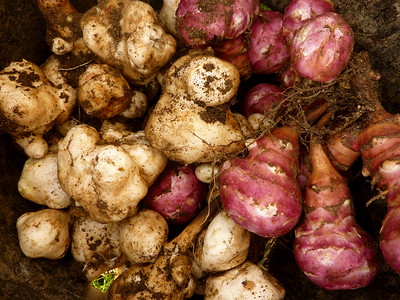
{"type": "Point", "coordinates": [137, 45]}
{"type": "Point", "coordinates": [108, 180]}
{"type": "Point", "coordinates": [103, 92]}
{"type": "Point", "coordinates": [206, 172]}
{"type": "Point", "coordinates": [44, 233]}
{"type": "Point", "coordinates": [222, 245]}
{"type": "Point", "coordinates": [96, 245]}
{"type": "Point", "coordinates": [192, 122]}
{"type": "Point", "coordinates": [168, 15]}
{"type": "Point", "coordinates": [247, 281]}
{"type": "Point", "coordinates": [143, 235]}
{"type": "Point", "coordinates": [30, 105]}
{"type": "Point", "coordinates": [137, 107]}
{"type": "Point", "coordinates": [39, 182]}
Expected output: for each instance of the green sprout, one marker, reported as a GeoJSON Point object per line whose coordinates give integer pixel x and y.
{"type": "Point", "coordinates": [104, 281]}
{"type": "Point", "coordinates": [264, 6]}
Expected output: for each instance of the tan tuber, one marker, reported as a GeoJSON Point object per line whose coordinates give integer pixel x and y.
{"type": "Point", "coordinates": [30, 105]}
{"type": "Point", "coordinates": [192, 122]}
{"type": "Point", "coordinates": [137, 45]}
{"type": "Point", "coordinates": [107, 179]}
{"type": "Point", "coordinates": [44, 233]}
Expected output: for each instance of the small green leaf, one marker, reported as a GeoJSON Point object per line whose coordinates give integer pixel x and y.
{"type": "Point", "coordinates": [104, 281]}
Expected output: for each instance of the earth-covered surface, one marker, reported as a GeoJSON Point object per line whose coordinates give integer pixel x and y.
{"type": "Point", "coordinates": [376, 24]}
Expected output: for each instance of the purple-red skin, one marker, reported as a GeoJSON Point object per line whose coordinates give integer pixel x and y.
{"type": "Point", "coordinates": [299, 11]}
{"type": "Point", "coordinates": [260, 191]}
{"type": "Point", "coordinates": [380, 151]}
{"type": "Point", "coordinates": [322, 47]}
{"type": "Point", "coordinates": [201, 22]}
{"type": "Point", "coordinates": [330, 248]}
{"type": "Point", "coordinates": [261, 98]}
{"type": "Point", "coordinates": [268, 51]}
{"type": "Point", "coordinates": [177, 194]}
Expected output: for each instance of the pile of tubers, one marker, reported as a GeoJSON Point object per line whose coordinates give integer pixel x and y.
{"type": "Point", "coordinates": [153, 158]}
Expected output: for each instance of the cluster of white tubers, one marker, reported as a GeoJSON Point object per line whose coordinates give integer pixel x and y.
{"type": "Point", "coordinates": [223, 245]}
{"type": "Point", "coordinates": [107, 179]}
{"type": "Point", "coordinates": [192, 122]}
{"type": "Point", "coordinates": [246, 281]}
{"type": "Point", "coordinates": [127, 35]}
{"type": "Point", "coordinates": [30, 105]}
{"type": "Point", "coordinates": [44, 233]}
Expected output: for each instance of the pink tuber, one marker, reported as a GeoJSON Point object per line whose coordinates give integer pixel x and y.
{"type": "Point", "coordinates": [201, 23]}
{"type": "Point", "coordinates": [330, 247]}
{"type": "Point", "coordinates": [177, 194]}
{"type": "Point", "coordinates": [262, 97]}
{"type": "Point", "coordinates": [260, 191]}
{"type": "Point", "coordinates": [268, 51]}
{"type": "Point", "coordinates": [297, 12]}
{"type": "Point", "coordinates": [322, 47]}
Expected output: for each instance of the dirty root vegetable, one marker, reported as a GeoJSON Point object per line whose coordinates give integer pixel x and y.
{"type": "Point", "coordinates": [103, 92]}
{"type": "Point", "coordinates": [137, 45]}
{"type": "Point", "coordinates": [268, 52]}
{"type": "Point", "coordinates": [223, 245]}
{"type": "Point", "coordinates": [330, 247]}
{"type": "Point", "coordinates": [107, 179]}
{"type": "Point", "coordinates": [378, 142]}
{"type": "Point", "coordinates": [30, 105]}
{"type": "Point", "coordinates": [44, 233]}
{"type": "Point", "coordinates": [169, 277]}
{"type": "Point", "coordinates": [96, 245]}
{"type": "Point", "coordinates": [191, 122]}
{"type": "Point", "coordinates": [297, 12]}
{"type": "Point", "coordinates": [322, 47]}
{"type": "Point", "coordinates": [63, 32]}
{"type": "Point", "coordinates": [177, 194]}
{"type": "Point", "coordinates": [235, 51]}
{"type": "Point", "coordinates": [260, 191]}
{"type": "Point", "coordinates": [39, 182]}
{"type": "Point", "coordinates": [201, 23]}
{"type": "Point", "coordinates": [142, 236]}
{"type": "Point", "coordinates": [247, 281]}
{"type": "Point", "coordinates": [261, 97]}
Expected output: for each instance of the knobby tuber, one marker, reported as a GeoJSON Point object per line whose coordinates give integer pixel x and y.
{"type": "Point", "coordinates": [137, 45]}
{"type": "Point", "coordinates": [192, 122]}
{"type": "Point", "coordinates": [143, 235]}
{"type": "Point", "coordinates": [44, 233]}
{"type": "Point", "coordinates": [96, 245]}
{"type": "Point", "coordinates": [223, 245]}
{"type": "Point", "coordinates": [246, 281]}
{"type": "Point", "coordinates": [30, 105]}
{"type": "Point", "coordinates": [178, 195]}
{"type": "Point", "coordinates": [330, 247]}
{"type": "Point", "coordinates": [108, 180]}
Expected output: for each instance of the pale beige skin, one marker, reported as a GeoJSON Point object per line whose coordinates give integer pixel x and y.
{"type": "Point", "coordinates": [246, 281]}
{"type": "Point", "coordinates": [222, 245]}
{"type": "Point", "coordinates": [44, 233]}
{"type": "Point", "coordinates": [141, 46]}
{"type": "Point", "coordinates": [39, 182]}
{"type": "Point", "coordinates": [30, 106]}
{"type": "Point", "coordinates": [191, 122]}
{"type": "Point", "coordinates": [142, 236]}
{"type": "Point", "coordinates": [168, 15]}
{"type": "Point", "coordinates": [96, 245]}
{"type": "Point", "coordinates": [107, 180]}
